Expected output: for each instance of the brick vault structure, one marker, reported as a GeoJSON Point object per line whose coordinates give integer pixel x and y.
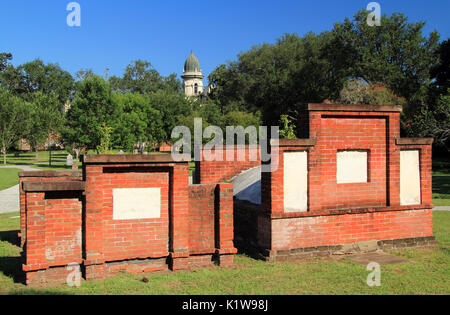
{"type": "Point", "coordinates": [132, 213]}
{"type": "Point", "coordinates": [349, 183]}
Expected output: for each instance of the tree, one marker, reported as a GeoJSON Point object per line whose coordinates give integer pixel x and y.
{"type": "Point", "coordinates": [441, 71]}
{"type": "Point", "coordinates": [172, 107]}
{"type": "Point", "coordinates": [358, 91]}
{"type": "Point", "coordinates": [394, 53]}
{"type": "Point", "coordinates": [139, 123]}
{"type": "Point", "coordinates": [140, 77]}
{"type": "Point", "coordinates": [93, 105]}
{"type": "Point", "coordinates": [4, 58]}
{"type": "Point", "coordinates": [277, 78]}
{"type": "Point", "coordinates": [47, 78]}
{"type": "Point", "coordinates": [432, 123]}
{"type": "Point", "coordinates": [36, 76]}
{"type": "Point", "coordinates": [45, 119]}
{"type": "Point", "coordinates": [14, 120]}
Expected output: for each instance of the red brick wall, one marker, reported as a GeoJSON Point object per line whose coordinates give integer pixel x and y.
{"type": "Point", "coordinates": [202, 218]}
{"type": "Point", "coordinates": [39, 176]}
{"type": "Point", "coordinates": [195, 227]}
{"type": "Point", "coordinates": [130, 239]}
{"type": "Point", "coordinates": [350, 228]}
{"type": "Point", "coordinates": [223, 170]}
{"type": "Point", "coordinates": [353, 133]}
{"type": "Point", "coordinates": [346, 213]}
{"type": "Point", "coordinates": [53, 228]}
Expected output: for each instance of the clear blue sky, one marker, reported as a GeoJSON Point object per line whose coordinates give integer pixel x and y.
{"type": "Point", "coordinates": [115, 32]}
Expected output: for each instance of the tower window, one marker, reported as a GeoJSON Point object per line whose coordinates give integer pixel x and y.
{"type": "Point", "coordinates": [195, 88]}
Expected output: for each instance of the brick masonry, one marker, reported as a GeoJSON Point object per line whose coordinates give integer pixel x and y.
{"type": "Point", "coordinates": [215, 167]}
{"type": "Point", "coordinates": [340, 213]}
{"type": "Point", "coordinates": [68, 219]}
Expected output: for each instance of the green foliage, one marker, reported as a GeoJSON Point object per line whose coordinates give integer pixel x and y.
{"type": "Point", "coordinates": [358, 91]}
{"type": "Point", "coordinates": [173, 106]}
{"type": "Point", "coordinates": [277, 78]}
{"type": "Point", "coordinates": [287, 130]}
{"type": "Point", "coordinates": [140, 77]}
{"type": "Point", "coordinates": [140, 122]}
{"type": "Point", "coordinates": [280, 78]}
{"type": "Point", "coordinates": [395, 53]}
{"type": "Point", "coordinates": [4, 58]}
{"type": "Point", "coordinates": [14, 119]}
{"type": "Point", "coordinates": [432, 123]}
{"type": "Point", "coordinates": [94, 105]}
{"type": "Point", "coordinates": [105, 138]}
{"type": "Point", "coordinates": [36, 76]}
{"type": "Point", "coordinates": [441, 72]}
{"type": "Point", "coordinates": [45, 118]}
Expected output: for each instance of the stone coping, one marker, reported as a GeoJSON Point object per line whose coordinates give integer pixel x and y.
{"type": "Point", "coordinates": [354, 108]}
{"type": "Point", "coordinates": [414, 141]}
{"type": "Point", "coordinates": [38, 173]}
{"type": "Point", "coordinates": [134, 158]}
{"type": "Point", "coordinates": [39, 186]}
{"type": "Point", "coordinates": [276, 216]}
{"type": "Point", "coordinates": [294, 142]}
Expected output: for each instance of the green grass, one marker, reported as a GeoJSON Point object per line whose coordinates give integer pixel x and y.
{"type": "Point", "coordinates": [441, 181]}
{"type": "Point", "coordinates": [425, 273]}
{"type": "Point", "coordinates": [58, 160]}
{"type": "Point", "coordinates": [9, 177]}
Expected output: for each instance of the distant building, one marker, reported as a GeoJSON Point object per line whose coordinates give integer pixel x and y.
{"type": "Point", "coordinates": [192, 77]}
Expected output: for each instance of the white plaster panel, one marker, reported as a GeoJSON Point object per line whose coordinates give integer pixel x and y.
{"type": "Point", "coordinates": [409, 178]}
{"type": "Point", "coordinates": [136, 203]}
{"type": "Point", "coordinates": [352, 167]}
{"type": "Point", "coordinates": [295, 182]}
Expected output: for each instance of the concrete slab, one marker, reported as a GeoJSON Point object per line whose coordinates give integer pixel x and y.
{"type": "Point", "coordinates": [9, 198]}
{"type": "Point", "coordinates": [247, 185]}
{"type": "Point", "coordinates": [378, 257]}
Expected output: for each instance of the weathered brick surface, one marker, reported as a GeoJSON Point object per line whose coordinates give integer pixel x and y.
{"type": "Point", "coordinates": [63, 227]}
{"type": "Point", "coordinates": [202, 219]}
{"type": "Point", "coordinates": [350, 228]}
{"type": "Point", "coordinates": [216, 167]}
{"type": "Point", "coordinates": [39, 176]}
{"type": "Point", "coordinates": [344, 213]}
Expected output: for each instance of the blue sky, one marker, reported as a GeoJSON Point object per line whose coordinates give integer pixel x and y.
{"type": "Point", "coordinates": [115, 32]}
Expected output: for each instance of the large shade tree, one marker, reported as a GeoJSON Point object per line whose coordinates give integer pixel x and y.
{"type": "Point", "coordinates": [14, 120]}
{"type": "Point", "coordinates": [93, 108]}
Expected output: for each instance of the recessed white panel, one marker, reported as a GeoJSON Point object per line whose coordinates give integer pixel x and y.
{"type": "Point", "coordinates": [409, 178]}
{"type": "Point", "coordinates": [351, 167]}
{"type": "Point", "coordinates": [136, 203]}
{"type": "Point", "coordinates": [295, 181]}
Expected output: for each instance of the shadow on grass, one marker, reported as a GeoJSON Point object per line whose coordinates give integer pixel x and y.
{"type": "Point", "coordinates": [441, 184]}
{"type": "Point", "coordinates": [10, 237]}
{"type": "Point", "coordinates": [12, 266]}
{"type": "Point", "coordinates": [53, 166]}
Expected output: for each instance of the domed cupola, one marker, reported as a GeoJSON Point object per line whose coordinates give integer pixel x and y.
{"type": "Point", "coordinates": [192, 64]}
{"type": "Point", "coordinates": [192, 77]}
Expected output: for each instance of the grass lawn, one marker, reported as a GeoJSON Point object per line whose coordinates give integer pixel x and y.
{"type": "Point", "coordinates": [9, 177]}
{"type": "Point", "coordinates": [441, 181]}
{"type": "Point", "coordinates": [58, 160]}
{"type": "Point", "coordinates": [425, 273]}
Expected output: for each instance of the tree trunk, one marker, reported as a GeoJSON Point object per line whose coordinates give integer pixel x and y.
{"type": "Point", "coordinates": [37, 153]}
{"type": "Point", "coordinates": [4, 155]}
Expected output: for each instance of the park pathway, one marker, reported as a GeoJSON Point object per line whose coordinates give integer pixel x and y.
{"type": "Point", "coordinates": [9, 198]}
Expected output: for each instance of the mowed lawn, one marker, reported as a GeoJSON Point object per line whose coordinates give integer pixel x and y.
{"type": "Point", "coordinates": [9, 177]}
{"type": "Point", "coordinates": [441, 182]}
{"type": "Point", "coordinates": [427, 272]}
